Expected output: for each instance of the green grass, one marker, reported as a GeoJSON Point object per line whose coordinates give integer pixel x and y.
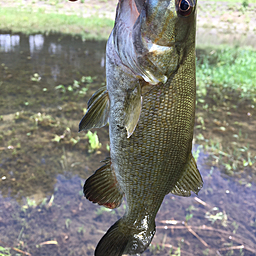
{"type": "Point", "coordinates": [231, 1]}
{"type": "Point", "coordinates": [27, 21]}
{"type": "Point", "coordinates": [228, 69]}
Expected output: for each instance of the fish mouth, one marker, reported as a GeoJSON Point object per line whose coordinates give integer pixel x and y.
{"type": "Point", "coordinates": [152, 57]}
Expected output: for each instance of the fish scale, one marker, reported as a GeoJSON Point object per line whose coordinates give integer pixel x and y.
{"type": "Point", "coordinates": [149, 102]}
{"type": "Point", "coordinates": [156, 142]}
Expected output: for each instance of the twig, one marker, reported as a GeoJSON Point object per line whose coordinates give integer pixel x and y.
{"type": "Point", "coordinates": [16, 249]}
{"type": "Point", "coordinates": [232, 248]}
{"type": "Point", "coordinates": [175, 248]}
{"type": "Point", "coordinates": [198, 200]}
{"type": "Point", "coordinates": [164, 239]}
{"type": "Point", "coordinates": [196, 235]}
{"type": "Point", "coordinates": [20, 251]}
{"type": "Point", "coordinates": [171, 222]}
{"type": "Point", "coordinates": [206, 228]}
{"type": "Point", "coordinates": [49, 242]}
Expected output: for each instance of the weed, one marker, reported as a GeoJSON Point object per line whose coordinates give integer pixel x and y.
{"type": "Point", "coordinates": [43, 203]}
{"type": "Point", "coordinates": [93, 140]}
{"type": "Point", "coordinates": [87, 79]}
{"type": "Point", "coordinates": [205, 252]}
{"type": "Point", "coordinates": [5, 251]}
{"type": "Point", "coordinates": [214, 216]}
{"type": "Point", "coordinates": [81, 230]}
{"type": "Point", "coordinates": [235, 225]}
{"type": "Point", "coordinates": [189, 216]}
{"type": "Point", "coordinates": [35, 78]}
{"type": "Point", "coordinates": [245, 3]}
{"type": "Point", "coordinates": [76, 86]}
{"type": "Point", "coordinates": [51, 201]}
{"type": "Point", "coordinates": [67, 223]}
{"type": "Point", "coordinates": [155, 248]}
{"type": "Point", "coordinates": [103, 209]}
{"type": "Point", "coordinates": [176, 253]}
{"type": "Point", "coordinates": [30, 203]}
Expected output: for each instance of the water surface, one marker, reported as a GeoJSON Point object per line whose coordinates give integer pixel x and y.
{"type": "Point", "coordinates": [45, 83]}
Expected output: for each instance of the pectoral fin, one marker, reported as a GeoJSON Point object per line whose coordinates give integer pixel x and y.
{"type": "Point", "coordinates": [103, 188]}
{"type": "Point", "coordinates": [132, 111]}
{"type": "Point", "coordinates": [191, 180]}
{"type": "Point", "coordinates": [98, 111]}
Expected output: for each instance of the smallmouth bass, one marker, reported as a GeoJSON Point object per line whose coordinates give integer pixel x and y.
{"type": "Point", "coordinates": [149, 102]}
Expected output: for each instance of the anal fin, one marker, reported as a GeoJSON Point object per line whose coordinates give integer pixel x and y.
{"type": "Point", "coordinates": [98, 111]}
{"type": "Point", "coordinates": [103, 188]}
{"type": "Point", "coordinates": [191, 180]}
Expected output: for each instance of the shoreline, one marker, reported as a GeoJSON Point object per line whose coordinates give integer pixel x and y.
{"type": "Point", "coordinates": [95, 21]}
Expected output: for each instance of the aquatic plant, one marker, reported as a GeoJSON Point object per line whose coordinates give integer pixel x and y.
{"type": "Point", "coordinates": [67, 223]}
{"type": "Point", "coordinates": [103, 209]}
{"type": "Point", "coordinates": [215, 215]}
{"type": "Point", "coordinates": [35, 78]}
{"type": "Point", "coordinates": [93, 140]}
{"type": "Point", "coordinates": [5, 251]}
{"type": "Point", "coordinates": [77, 87]}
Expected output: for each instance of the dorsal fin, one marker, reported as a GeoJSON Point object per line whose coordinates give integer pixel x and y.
{"type": "Point", "coordinates": [191, 180]}
{"type": "Point", "coordinates": [103, 188]}
{"type": "Point", "coordinates": [98, 111]}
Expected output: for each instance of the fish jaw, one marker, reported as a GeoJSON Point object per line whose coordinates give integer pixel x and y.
{"type": "Point", "coordinates": [145, 37]}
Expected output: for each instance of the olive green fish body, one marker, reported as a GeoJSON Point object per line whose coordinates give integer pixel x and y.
{"type": "Point", "coordinates": [150, 106]}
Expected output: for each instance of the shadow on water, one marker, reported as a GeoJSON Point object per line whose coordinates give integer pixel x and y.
{"type": "Point", "coordinates": [45, 83]}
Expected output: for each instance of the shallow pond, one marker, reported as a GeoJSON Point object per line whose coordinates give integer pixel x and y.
{"type": "Point", "coordinates": [45, 83]}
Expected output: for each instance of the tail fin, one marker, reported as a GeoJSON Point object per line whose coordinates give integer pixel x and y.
{"type": "Point", "coordinates": [123, 239]}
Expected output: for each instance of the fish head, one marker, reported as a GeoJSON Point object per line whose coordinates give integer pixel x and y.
{"type": "Point", "coordinates": [163, 34]}
{"type": "Point", "coordinates": [152, 37]}
{"type": "Point", "coordinates": [164, 22]}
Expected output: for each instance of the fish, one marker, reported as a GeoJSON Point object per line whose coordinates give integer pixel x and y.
{"type": "Point", "coordinates": [149, 103]}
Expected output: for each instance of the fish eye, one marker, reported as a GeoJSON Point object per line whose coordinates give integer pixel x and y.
{"type": "Point", "coordinates": [184, 7]}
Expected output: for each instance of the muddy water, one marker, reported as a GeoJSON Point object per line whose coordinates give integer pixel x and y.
{"type": "Point", "coordinates": [45, 83]}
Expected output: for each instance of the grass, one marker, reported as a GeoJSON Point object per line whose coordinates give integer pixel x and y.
{"type": "Point", "coordinates": [234, 1]}
{"type": "Point", "coordinates": [24, 20]}
{"type": "Point", "coordinates": [228, 69]}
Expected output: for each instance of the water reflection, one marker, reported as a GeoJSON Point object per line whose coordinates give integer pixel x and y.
{"type": "Point", "coordinates": [56, 59]}
{"type": "Point", "coordinates": [36, 43]}
{"type": "Point", "coordinates": [8, 42]}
